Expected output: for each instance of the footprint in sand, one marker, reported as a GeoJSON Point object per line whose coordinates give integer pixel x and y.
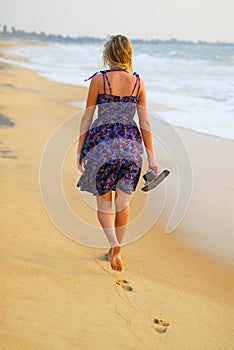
{"type": "Point", "coordinates": [125, 285]}
{"type": "Point", "coordinates": [160, 326]}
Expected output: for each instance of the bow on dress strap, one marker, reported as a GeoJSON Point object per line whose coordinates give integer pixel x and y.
{"type": "Point", "coordinates": [92, 76]}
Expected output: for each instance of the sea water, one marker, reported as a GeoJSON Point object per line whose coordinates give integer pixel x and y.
{"type": "Point", "coordinates": [196, 81]}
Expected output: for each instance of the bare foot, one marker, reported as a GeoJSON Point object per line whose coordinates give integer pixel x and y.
{"type": "Point", "coordinates": [109, 255]}
{"type": "Point", "coordinates": [116, 261]}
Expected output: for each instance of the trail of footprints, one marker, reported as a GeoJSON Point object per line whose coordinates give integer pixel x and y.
{"type": "Point", "coordinates": [160, 326]}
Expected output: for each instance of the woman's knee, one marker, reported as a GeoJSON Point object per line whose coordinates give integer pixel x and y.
{"type": "Point", "coordinates": [104, 204]}
{"type": "Point", "coordinates": [122, 200]}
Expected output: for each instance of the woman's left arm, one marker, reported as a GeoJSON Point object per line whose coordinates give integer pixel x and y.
{"type": "Point", "coordinates": [87, 117]}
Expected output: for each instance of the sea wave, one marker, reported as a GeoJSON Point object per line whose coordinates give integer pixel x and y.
{"type": "Point", "coordinates": [196, 81]}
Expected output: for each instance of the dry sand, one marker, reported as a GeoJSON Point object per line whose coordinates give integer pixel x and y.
{"type": "Point", "coordinates": [57, 294]}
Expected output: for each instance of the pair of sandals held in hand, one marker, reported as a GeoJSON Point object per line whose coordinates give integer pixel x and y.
{"type": "Point", "coordinates": [152, 180]}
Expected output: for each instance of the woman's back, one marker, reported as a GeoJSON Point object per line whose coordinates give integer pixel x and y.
{"type": "Point", "coordinates": [121, 83]}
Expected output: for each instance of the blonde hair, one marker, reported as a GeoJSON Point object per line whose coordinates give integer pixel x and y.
{"type": "Point", "coordinates": [117, 53]}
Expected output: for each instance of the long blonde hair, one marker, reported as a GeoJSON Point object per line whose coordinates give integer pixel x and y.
{"type": "Point", "coordinates": [117, 53]}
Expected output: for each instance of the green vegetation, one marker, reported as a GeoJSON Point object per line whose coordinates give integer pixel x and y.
{"type": "Point", "coordinates": [6, 34]}
{"type": "Point", "coordinates": [13, 33]}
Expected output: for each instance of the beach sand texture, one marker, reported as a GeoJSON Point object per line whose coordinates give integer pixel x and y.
{"type": "Point", "coordinates": [57, 294]}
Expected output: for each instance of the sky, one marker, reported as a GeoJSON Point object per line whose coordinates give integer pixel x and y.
{"type": "Point", "coordinates": [207, 20]}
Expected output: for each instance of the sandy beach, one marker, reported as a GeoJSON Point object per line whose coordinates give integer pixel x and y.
{"type": "Point", "coordinates": [173, 293]}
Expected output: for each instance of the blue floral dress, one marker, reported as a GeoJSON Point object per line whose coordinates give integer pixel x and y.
{"type": "Point", "coordinates": [113, 146]}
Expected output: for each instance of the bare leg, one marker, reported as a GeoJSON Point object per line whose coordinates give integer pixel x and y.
{"type": "Point", "coordinates": [122, 214]}
{"type": "Point", "coordinates": [116, 261]}
{"type": "Point", "coordinates": [106, 219]}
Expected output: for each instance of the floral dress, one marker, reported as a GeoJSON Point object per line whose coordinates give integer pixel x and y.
{"type": "Point", "coordinates": [113, 146]}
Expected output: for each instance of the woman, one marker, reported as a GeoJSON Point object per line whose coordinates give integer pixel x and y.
{"type": "Point", "coordinates": [109, 151]}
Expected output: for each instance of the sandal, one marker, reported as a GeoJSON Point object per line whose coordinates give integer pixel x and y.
{"type": "Point", "coordinates": [152, 180]}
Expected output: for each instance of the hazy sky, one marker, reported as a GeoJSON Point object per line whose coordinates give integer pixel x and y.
{"type": "Point", "coordinates": [209, 20]}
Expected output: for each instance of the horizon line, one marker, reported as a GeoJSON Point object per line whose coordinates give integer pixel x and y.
{"type": "Point", "coordinates": [42, 34]}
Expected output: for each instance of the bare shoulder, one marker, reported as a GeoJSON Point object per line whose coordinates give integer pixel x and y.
{"type": "Point", "coordinates": [96, 80]}
{"type": "Point", "coordinates": [142, 94]}
{"type": "Point", "coordinates": [142, 86]}
{"type": "Point", "coordinates": [142, 82]}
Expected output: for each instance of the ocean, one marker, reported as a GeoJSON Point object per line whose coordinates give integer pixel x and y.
{"type": "Point", "coordinates": [196, 81]}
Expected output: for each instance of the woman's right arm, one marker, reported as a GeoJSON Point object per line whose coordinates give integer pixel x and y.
{"type": "Point", "coordinates": [87, 117]}
{"type": "Point", "coordinates": [146, 128]}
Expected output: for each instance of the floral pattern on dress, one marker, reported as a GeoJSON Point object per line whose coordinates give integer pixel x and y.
{"type": "Point", "coordinates": [113, 147]}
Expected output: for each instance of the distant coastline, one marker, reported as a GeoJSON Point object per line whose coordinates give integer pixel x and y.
{"type": "Point", "coordinates": [14, 34]}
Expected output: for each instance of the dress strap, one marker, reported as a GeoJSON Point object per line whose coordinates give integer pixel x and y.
{"type": "Point", "coordinates": [104, 83]}
{"type": "Point", "coordinates": [105, 79]}
{"type": "Point", "coordinates": [138, 81]}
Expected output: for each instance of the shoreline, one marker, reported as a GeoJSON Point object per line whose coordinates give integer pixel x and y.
{"type": "Point", "coordinates": [49, 281]}
{"type": "Point", "coordinates": [159, 108]}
